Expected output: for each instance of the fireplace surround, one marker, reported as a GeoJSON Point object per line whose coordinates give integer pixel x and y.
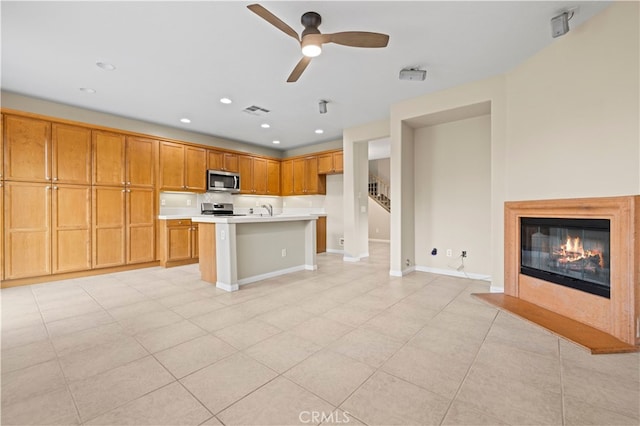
{"type": "Point", "coordinates": [592, 240]}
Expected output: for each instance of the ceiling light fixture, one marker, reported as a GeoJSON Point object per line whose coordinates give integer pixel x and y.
{"type": "Point", "coordinates": [225, 100]}
{"type": "Point", "coordinates": [276, 142]}
{"type": "Point", "coordinates": [185, 120]}
{"type": "Point", "coordinates": [265, 125]}
{"type": "Point", "coordinates": [310, 50]}
{"type": "Point", "coordinates": [87, 90]}
{"type": "Point", "coordinates": [319, 131]}
{"type": "Point", "coordinates": [322, 105]}
{"type": "Point", "coordinates": [105, 66]}
{"type": "Point", "coordinates": [412, 74]}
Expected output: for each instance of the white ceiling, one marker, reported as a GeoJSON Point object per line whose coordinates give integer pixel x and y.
{"type": "Point", "coordinates": [177, 59]}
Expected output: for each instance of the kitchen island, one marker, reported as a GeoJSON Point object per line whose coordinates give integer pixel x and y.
{"type": "Point", "coordinates": [237, 250]}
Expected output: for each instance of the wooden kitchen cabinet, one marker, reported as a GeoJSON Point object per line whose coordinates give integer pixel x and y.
{"type": "Point", "coordinates": [27, 229]}
{"type": "Point", "coordinates": [70, 154]}
{"type": "Point", "coordinates": [27, 150]}
{"type": "Point", "coordinates": [195, 169]}
{"type": "Point", "coordinates": [219, 160]}
{"type": "Point", "coordinates": [253, 175]}
{"type": "Point", "coordinates": [70, 228]}
{"type": "Point", "coordinates": [140, 225]}
{"type": "Point", "coordinates": [273, 177]}
{"type": "Point", "coordinates": [330, 163]}
{"type": "Point", "coordinates": [306, 180]}
{"type": "Point", "coordinates": [286, 173]}
{"type": "Point", "coordinates": [48, 229]}
{"type": "Point", "coordinates": [109, 150]}
{"type": "Point", "coordinates": [321, 234]}
{"type": "Point", "coordinates": [178, 242]}
{"type": "Point", "coordinates": [140, 162]}
{"type": "Point", "coordinates": [182, 167]}
{"type": "Point", "coordinates": [108, 226]}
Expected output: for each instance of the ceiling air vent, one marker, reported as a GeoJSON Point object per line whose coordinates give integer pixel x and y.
{"type": "Point", "coordinates": [255, 110]}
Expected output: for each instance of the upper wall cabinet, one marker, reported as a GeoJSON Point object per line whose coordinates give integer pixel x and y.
{"type": "Point", "coordinates": [273, 177]}
{"type": "Point", "coordinates": [109, 166]}
{"type": "Point", "coordinates": [218, 160]}
{"type": "Point", "coordinates": [182, 167]}
{"type": "Point", "coordinates": [38, 151]}
{"type": "Point", "coordinates": [306, 180]}
{"type": "Point", "coordinates": [330, 163]}
{"type": "Point", "coordinates": [141, 162]}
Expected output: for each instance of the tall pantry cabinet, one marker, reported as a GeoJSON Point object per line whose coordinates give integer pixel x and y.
{"type": "Point", "coordinates": [46, 196]}
{"type": "Point", "coordinates": [123, 199]}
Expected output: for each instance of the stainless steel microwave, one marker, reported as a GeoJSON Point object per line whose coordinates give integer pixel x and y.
{"type": "Point", "coordinates": [219, 180]}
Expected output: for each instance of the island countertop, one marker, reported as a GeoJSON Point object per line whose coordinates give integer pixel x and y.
{"type": "Point", "coordinates": [253, 218]}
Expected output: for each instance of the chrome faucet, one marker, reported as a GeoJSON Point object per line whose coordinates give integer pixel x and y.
{"type": "Point", "coordinates": [269, 208]}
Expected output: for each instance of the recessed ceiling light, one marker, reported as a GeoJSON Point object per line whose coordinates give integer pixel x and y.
{"type": "Point", "coordinates": [87, 90]}
{"type": "Point", "coordinates": [265, 125]}
{"type": "Point", "coordinates": [276, 142]}
{"type": "Point", "coordinates": [106, 66]}
{"type": "Point", "coordinates": [185, 120]}
{"type": "Point", "coordinates": [225, 100]}
{"type": "Point", "coordinates": [319, 131]}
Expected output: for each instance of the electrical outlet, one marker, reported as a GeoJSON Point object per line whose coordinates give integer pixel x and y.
{"type": "Point", "coordinates": [163, 202]}
{"type": "Point", "coordinates": [341, 241]}
{"type": "Point", "coordinates": [284, 252]}
{"type": "Point", "coordinates": [449, 252]}
{"type": "Point", "coordinates": [188, 202]}
{"type": "Point", "coordinates": [464, 253]}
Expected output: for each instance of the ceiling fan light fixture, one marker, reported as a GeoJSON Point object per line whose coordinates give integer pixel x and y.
{"type": "Point", "coordinates": [311, 50]}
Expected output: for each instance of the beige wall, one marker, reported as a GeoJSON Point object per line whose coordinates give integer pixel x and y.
{"type": "Point", "coordinates": [303, 150]}
{"type": "Point", "coordinates": [453, 194]}
{"type": "Point", "coordinates": [379, 222]}
{"type": "Point", "coordinates": [573, 113]}
{"type": "Point", "coordinates": [333, 206]}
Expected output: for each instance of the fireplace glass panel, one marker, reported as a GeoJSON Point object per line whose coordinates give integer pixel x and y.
{"type": "Point", "coordinates": [570, 252]}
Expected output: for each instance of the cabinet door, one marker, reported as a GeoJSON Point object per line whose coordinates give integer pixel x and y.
{"type": "Point", "coordinates": [71, 228]}
{"type": "Point", "coordinates": [245, 164]}
{"type": "Point", "coordinates": [141, 162]}
{"type": "Point", "coordinates": [27, 229]}
{"type": "Point", "coordinates": [299, 184]}
{"type": "Point", "coordinates": [172, 167]}
{"type": "Point", "coordinates": [141, 230]}
{"type": "Point", "coordinates": [179, 242]}
{"type": "Point", "coordinates": [231, 163]}
{"type": "Point", "coordinates": [71, 154]}
{"type": "Point", "coordinates": [338, 162]}
{"type": "Point", "coordinates": [108, 226]}
{"type": "Point", "coordinates": [321, 234]}
{"type": "Point", "coordinates": [259, 176]}
{"type": "Point", "coordinates": [2, 241]}
{"type": "Point", "coordinates": [108, 158]}
{"type": "Point", "coordinates": [27, 149]}
{"type": "Point", "coordinates": [195, 253]}
{"type": "Point", "coordinates": [273, 177]}
{"type": "Point", "coordinates": [286, 172]}
{"type": "Point", "coordinates": [195, 169]}
{"type": "Point", "coordinates": [215, 160]}
{"type": "Point", "coordinates": [311, 175]}
{"type": "Point", "coordinates": [325, 163]}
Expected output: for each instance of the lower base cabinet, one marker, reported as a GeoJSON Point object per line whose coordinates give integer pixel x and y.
{"type": "Point", "coordinates": [178, 242]}
{"type": "Point", "coordinates": [321, 234]}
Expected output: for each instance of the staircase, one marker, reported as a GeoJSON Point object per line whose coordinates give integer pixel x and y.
{"type": "Point", "coordinates": [379, 191]}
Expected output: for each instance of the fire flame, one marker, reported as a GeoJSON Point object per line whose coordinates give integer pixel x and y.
{"type": "Point", "coordinates": [572, 251]}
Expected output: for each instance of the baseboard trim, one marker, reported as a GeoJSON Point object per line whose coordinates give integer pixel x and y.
{"type": "Point", "coordinates": [379, 241]}
{"type": "Point", "coordinates": [402, 273]}
{"type": "Point", "coordinates": [277, 273]}
{"type": "Point", "coordinates": [496, 289]}
{"type": "Point", "coordinates": [451, 273]}
{"type": "Point", "coordinates": [227, 287]}
{"type": "Point", "coordinates": [335, 251]}
{"type": "Point", "coordinates": [355, 259]}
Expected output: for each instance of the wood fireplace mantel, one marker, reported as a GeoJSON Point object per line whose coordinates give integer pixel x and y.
{"type": "Point", "coordinates": [617, 316]}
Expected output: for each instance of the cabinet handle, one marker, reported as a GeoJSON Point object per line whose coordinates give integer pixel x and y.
{"type": "Point", "coordinates": [55, 179]}
{"type": "Point", "coordinates": [47, 187]}
{"type": "Point", "coordinates": [128, 190]}
{"type": "Point", "coordinates": [47, 178]}
{"type": "Point", "coordinates": [122, 182]}
{"type": "Point", "coordinates": [55, 188]}
{"type": "Point", "coordinates": [123, 190]}
{"type": "Point", "coordinates": [128, 183]}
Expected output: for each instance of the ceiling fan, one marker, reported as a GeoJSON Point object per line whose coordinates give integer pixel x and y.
{"type": "Point", "coordinates": [312, 40]}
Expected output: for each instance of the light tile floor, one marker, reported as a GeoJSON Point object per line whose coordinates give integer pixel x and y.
{"type": "Point", "coordinates": [346, 344]}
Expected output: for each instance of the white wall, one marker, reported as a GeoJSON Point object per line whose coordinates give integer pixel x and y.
{"type": "Point", "coordinates": [453, 195]}
{"type": "Point", "coordinates": [333, 206]}
{"type": "Point", "coordinates": [573, 128]}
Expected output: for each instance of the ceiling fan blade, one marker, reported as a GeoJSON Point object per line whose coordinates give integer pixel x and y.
{"type": "Point", "coordinates": [357, 39]}
{"type": "Point", "coordinates": [299, 69]}
{"type": "Point", "coordinates": [273, 20]}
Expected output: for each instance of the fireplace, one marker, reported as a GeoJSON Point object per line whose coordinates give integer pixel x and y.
{"type": "Point", "coordinates": [569, 252]}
